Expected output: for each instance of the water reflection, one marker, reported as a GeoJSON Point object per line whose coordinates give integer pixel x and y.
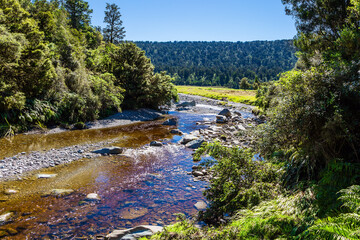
{"type": "Point", "coordinates": [145, 185]}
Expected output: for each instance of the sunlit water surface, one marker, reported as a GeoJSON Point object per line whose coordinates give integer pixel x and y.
{"type": "Point", "coordinates": [145, 185]}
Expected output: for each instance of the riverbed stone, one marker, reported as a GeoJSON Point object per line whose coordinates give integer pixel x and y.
{"type": "Point", "coordinates": [171, 122]}
{"type": "Point", "coordinates": [195, 143]}
{"type": "Point", "coordinates": [176, 131]}
{"type": "Point", "coordinates": [186, 104]}
{"type": "Point", "coordinates": [200, 205]}
{"type": "Point", "coordinates": [225, 112]}
{"type": "Point", "coordinates": [10, 191]}
{"type": "Point", "coordinates": [46, 175]}
{"type": "Point", "coordinates": [92, 197]}
{"type": "Point", "coordinates": [197, 173]}
{"type": "Point", "coordinates": [156, 144]}
{"type": "Point", "coordinates": [109, 150]}
{"type": "Point", "coordinates": [6, 217]}
{"type": "Point", "coordinates": [221, 119]}
{"type": "Point", "coordinates": [188, 138]}
{"type": "Point", "coordinates": [61, 192]}
{"type": "Point", "coordinates": [134, 233]}
{"type": "Point", "coordinates": [133, 213]}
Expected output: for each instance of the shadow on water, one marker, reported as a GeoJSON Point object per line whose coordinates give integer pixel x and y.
{"type": "Point", "coordinates": [145, 185]}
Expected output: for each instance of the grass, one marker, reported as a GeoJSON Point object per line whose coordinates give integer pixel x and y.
{"type": "Point", "coordinates": [233, 95]}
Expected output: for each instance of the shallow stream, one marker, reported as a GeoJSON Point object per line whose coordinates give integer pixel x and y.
{"type": "Point", "coordinates": [145, 185]}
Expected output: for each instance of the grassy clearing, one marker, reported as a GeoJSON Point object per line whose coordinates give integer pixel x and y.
{"type": "Point", "coordinates": [233, 95]}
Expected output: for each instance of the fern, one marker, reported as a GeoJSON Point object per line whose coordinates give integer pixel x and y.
{"type": "Point", "coordinates": [345, 225]}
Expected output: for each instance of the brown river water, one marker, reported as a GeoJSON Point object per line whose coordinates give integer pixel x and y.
{"type": "Point", "coordinates": [145, 185]}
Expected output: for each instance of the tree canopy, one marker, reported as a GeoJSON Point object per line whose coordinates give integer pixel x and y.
{"type": "Point", "coordinates": [221, 63]}
{"type": "Point", "coordinates": [55, 67]}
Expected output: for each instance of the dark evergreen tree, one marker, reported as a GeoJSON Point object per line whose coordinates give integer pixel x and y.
{"type": "Point", "coordinates": [114, 31]}
{"type": "Point", "coordinates": [79, 13]}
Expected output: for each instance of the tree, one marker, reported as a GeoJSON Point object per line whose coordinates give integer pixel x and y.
{"type": "Point", "coordinates": [79, 13]}
{"type": "Point", "coordinates": [317, 113]}
{"type": "Point", "coordinates": [114, 31]}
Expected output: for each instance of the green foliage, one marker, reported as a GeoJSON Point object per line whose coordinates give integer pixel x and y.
{"type": "Point", "coordinates": [244, 83]}
{"type": "Point", "coordinates": [114, 31]}
{"type": "Point", "coordinates": [345, 225]}
{"type": "Point", "coordinates": [238, 181]}
{"type": "Point", "coordinates": [336, 176]}
{"type": "Point", "coordinates": [54, 67]}
{"type": "Point", "coordinates": [221, 63]}
{"type": "Point", "coordinates": [109, 95]}
{"type": "Point", "coordinates": [316, 114]}
{"type": "Point", "coordinates": [79, 13]}
{"type": "Point", "coordinates": [134, 72]}
{"type": "Point", "coordinates": [285, 217]}
{"type": "Point", "coordinates": [266, 95]}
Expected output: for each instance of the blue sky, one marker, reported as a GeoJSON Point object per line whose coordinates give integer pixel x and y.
{"type": "Point", "coordinates": [200, 20]}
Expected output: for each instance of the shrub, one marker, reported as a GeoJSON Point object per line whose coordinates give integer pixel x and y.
{"type": "Point", "coordinates": [238, 181]}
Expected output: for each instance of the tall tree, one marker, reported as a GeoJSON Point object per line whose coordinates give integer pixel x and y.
{"type": "Point", "coordinates": [114, 31]}
{"type": "Point", "coordinates": [79, 13]}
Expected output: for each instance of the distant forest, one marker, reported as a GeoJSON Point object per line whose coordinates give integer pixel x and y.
{"type": "Point", "coordinates": [221, 63]}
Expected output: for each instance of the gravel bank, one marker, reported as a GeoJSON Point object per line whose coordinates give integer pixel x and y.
{"type": "Point", "coordinates": [15, 166]}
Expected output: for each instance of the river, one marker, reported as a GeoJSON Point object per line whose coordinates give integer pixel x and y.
{"type": "Point", "coordinates": [144, 185]}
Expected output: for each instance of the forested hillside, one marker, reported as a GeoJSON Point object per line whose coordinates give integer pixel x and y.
{"type": "Point", "coordinates": [221, 63]}
{"type": "Point", "coordinates": [55, 67]}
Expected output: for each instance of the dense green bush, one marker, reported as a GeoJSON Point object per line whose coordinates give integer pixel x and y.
{"type": "Point", "coordinates": [54, 67]}
{"type": "Point", "coordinates": [238, 180]}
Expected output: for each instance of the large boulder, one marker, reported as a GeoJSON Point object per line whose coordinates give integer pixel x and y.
{"type": "Point", "coordinates": [134, 233]}
{"type": "Point", "coordinates": [225, 112]}
{"type": "Point", "coordinates": [171, 122]}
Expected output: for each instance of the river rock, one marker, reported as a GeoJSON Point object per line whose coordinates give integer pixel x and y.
{"type": "Point", "coordinates": [237, 112]}
{"type": "Point", "coordinates": [10, 191]}
{"type": "Point", "coordinates": [195, 143]}
{"type": "Point", "coordinates": [61, 192]}
{"type": "Point", "coordinates": [197, 174]}
{"type": "Point", "coordinates": [221, 119]}
{"type": "Point", "coordinates": [225, 112]}
{"type": "Point", "coordinates": [46, 175]}
{"type": "Point", "coordinates": [92, 197]}
{"type": "Point", "coordinates": [176, 131]}
{"type": "Point", "coordinates": [188, 138]}
{"type": "Point", "coordinates": [200, 205]}
{"type": "Point", "coordinates": [134, 233]}
{"type": "Point", "coordinates": [171, 122]}
{"type": "Point", "coordinates": [186, 104]}
{"type": "Point", "coordinates": [156, 144]}
{"type": "Point", "coordinates": [133, 213]}
{"type": "Point", "coordinates": [109, 150]}
{"type": "Point", "coordinates": [6, 217]}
